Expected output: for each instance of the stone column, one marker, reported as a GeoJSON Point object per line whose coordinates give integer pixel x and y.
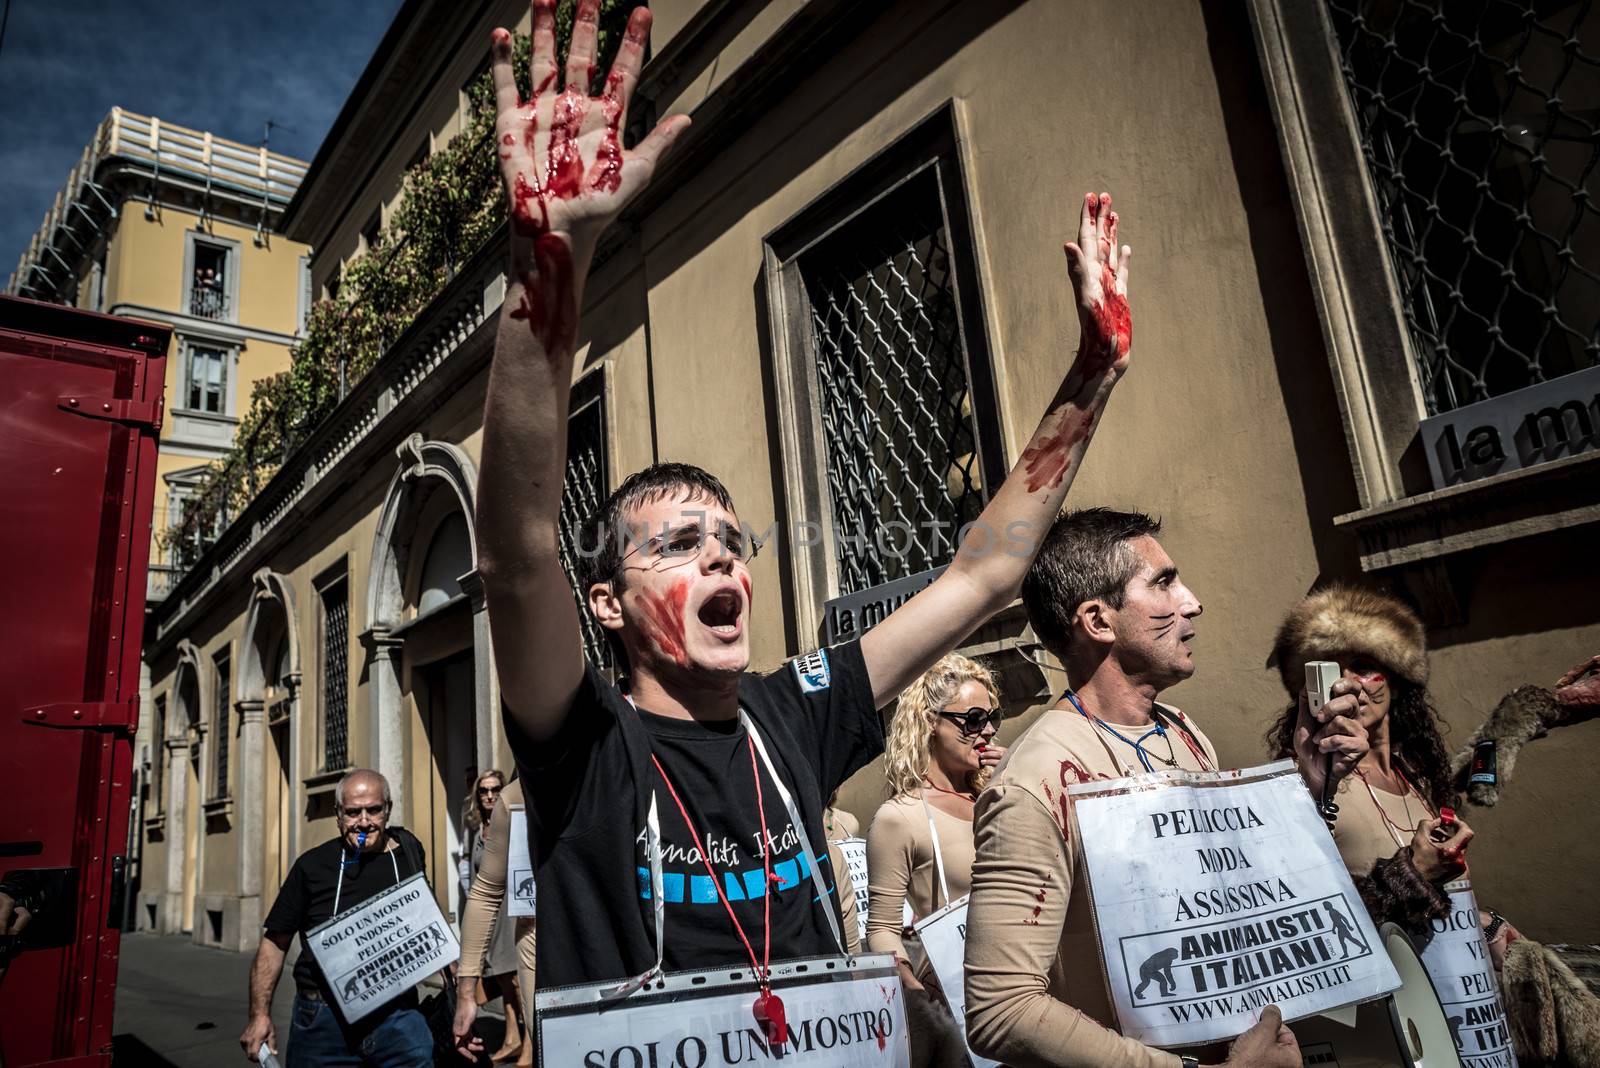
{"type": "Point", "coordinates": [177, 757]}
{"type": "Point", "coordinates": [249, 799]}
{"type": "Point", "coordinates": [387, 725]}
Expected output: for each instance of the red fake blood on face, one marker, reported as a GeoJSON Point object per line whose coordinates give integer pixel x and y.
{"type": "Point", "coordinates": [1046, 463]}
{"type": "Point", "coordinates": [663, 615]}
{"type": "Point", "coordinates": [749, 598]}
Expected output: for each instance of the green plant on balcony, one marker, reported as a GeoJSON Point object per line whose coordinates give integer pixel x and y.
{"type": "Point", "coordinates": [450, 205]}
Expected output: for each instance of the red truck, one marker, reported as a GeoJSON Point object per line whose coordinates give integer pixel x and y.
{"type": "Point", "coordinates": [80, 414]}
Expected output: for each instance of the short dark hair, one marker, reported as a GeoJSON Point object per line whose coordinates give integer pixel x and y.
{"type": "Point", "coordinates": [1085, 557]}
{"type": "Point", "coordinates": [604, 537]}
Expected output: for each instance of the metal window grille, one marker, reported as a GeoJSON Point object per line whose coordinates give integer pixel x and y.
{"type": "Point", "coordinates": [224, 727]}
{"type": "Point", "coordinates": [335, 677]}
{"type": "Point", "coordinates": [1479, 123]}
{"type": "Point", "coordinates": [897, 420]}
{"type": "Point", "coordinates": [582, 492]}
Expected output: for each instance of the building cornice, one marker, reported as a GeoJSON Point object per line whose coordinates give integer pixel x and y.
{"type": "Point", "coordinates": [207, 329]}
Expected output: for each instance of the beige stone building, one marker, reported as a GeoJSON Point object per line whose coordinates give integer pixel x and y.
{"type": "Point", "coordinates": [846, 295]}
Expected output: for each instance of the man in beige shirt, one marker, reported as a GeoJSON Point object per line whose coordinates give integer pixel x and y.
{"type": "Point", "coordinates": [1105, 599]}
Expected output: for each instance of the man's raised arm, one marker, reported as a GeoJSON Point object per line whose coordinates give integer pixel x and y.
{"type": "Point", "coordinates": [996, 553]}
{"type": "Point", "coordinates": [567, 177]}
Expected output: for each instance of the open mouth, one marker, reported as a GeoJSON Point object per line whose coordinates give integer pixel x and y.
{"type": "Point", "coordinates": [721, 612]}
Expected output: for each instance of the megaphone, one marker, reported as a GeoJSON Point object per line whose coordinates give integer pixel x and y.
{"type": "Point", "coordinates": [1407, 1028]}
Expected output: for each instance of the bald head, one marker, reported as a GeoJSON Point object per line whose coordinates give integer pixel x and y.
{"type": "Point", "coordinates": [361, 802]}
{"type": "Point", "coordinates": [364, 779]}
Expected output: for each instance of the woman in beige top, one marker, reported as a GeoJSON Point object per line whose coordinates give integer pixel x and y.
{"type": "Point", "coordinates": [483, 925]}
{"type": "Point", "coordinates": [1398, 851]}
{"type": "Point", "coordinates": [938, 755]}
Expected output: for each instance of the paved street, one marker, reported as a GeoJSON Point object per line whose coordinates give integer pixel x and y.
{"type": "Point", "coordinates": [183, 1005]}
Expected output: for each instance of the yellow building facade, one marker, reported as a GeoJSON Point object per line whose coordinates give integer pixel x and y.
{"type": "Point", "coordinates": [845, 294]}
{"type": "Point", "coordinates": [169, 224]}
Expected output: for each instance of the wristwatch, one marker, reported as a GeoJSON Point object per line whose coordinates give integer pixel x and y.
{"type": "Point", "coordinates": [1190, 1062]}
{"type": "Point", "coordinates": [1496, 921]}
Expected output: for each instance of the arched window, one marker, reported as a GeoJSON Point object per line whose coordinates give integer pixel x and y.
{"type": "Point", "coordinates": [449, 557]}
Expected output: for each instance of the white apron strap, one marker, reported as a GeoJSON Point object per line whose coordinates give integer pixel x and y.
{"type": "Point", "coordinates": [338, 887]}
{"type": "Point", "coordinates": [799, 824]}
{"type": "Point", "coordinates": [938, 854]}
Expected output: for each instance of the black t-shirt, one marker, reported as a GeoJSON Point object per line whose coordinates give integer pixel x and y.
{"type": "Point", "coordinates": [588, 789]}
{"type": "Point", "coordinates": [306, 898]}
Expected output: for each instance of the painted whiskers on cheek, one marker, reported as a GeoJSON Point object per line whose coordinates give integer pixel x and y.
{"type": "Point", "coordinates": [1163, 624]}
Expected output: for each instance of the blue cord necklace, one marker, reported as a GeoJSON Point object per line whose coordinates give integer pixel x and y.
{"type": "Point", "coordinates": [1145, 756]}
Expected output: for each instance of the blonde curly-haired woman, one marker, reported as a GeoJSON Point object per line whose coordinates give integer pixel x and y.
{"type": "Point", "coordinates": [939, 754]}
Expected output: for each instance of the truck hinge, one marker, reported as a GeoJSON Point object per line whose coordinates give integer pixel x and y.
{"type": "Point", "coordinates": [89, 715]}
{"type": "Point", "coordinates": [132, 412]}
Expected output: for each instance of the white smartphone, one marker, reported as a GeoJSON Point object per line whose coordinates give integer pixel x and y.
{"type": "Point", "coordinates": [1320, 677]}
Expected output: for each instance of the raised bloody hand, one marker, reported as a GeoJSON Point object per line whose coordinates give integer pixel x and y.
{"type": "Point", "coordinates": [1098, 267]}
{"type": "Point", "coordinates": [1099, 270]}
{"type": "Point", "coordinates": [566, 173]}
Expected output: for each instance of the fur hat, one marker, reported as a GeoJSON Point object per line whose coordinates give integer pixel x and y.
{"type": "Point", "coordinates": [1347, 619]}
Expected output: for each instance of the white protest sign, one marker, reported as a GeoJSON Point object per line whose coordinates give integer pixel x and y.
{"type": "Point", "coordinates": [855, 859]}
{"type": "Point", "coordinates": [381, 948]}
{"type": "Point", "coordinates": [1216, 894]}
{"type": "Point", "coordinates": [944, 940]}
{"type": "Point", "coordinates": [839, 1016]}
{"type": "Point", "coordinates": [1458, 962]}
{"type": "Point", "coordinates": [521, 890]}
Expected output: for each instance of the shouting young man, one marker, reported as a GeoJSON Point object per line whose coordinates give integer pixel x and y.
{"type": "Point", "coordinates": [1106, 600]}
{"type": "Point", "coordinates": [734, 768]}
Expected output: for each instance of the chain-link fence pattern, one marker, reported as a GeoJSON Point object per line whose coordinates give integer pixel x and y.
{"type": "Point", "coordinates": [897, 422]}
{"type": "Point", "coordinates": [583, 488]}
{"type": "Point", "coordinates": [1480, 124]}
{"type": "Point", "coordinates": [335, 677]}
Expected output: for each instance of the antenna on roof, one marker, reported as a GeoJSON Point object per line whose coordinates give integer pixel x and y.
{"type": "Point", "coordinates": [266, 176]}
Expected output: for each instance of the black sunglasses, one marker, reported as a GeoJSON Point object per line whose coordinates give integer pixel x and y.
{"type": "Point", "coordinates": [973, 720]}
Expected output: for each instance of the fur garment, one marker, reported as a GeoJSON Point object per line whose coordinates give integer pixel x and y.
{"type": "Point", "coordinates": [1524, 714]}
{"type": "Point", "coordinates": [1395, 891]}
{"type": "Point", "coordinates": [1552, 1016]}
{"type": "Point", "coordinates": [1349, 619]}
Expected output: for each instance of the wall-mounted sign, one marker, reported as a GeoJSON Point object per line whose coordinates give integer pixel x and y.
{"type": "Point", "coordinates": [1520, 429]}
{"type": "Point", "coordinates": [854, 614]}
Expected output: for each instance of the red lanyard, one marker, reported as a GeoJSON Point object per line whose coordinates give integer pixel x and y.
{"type": "Point", "coordinates": [1398, 833]}
{"type": "Point", "coordinates": [768, 1008]}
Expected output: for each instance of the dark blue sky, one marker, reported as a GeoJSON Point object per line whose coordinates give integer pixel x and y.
{"type": "Point", "coordinates": [224, 67]}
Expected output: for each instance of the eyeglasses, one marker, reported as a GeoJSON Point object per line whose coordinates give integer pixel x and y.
{"type": "Point", "coordinates": [354, 812]}
{"type": "Point", "coordinates": [973, 720]}
{"type": "Point", "coordinates": [685, 542]}
{"type": "Point", "coordinates": [488, 789]}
